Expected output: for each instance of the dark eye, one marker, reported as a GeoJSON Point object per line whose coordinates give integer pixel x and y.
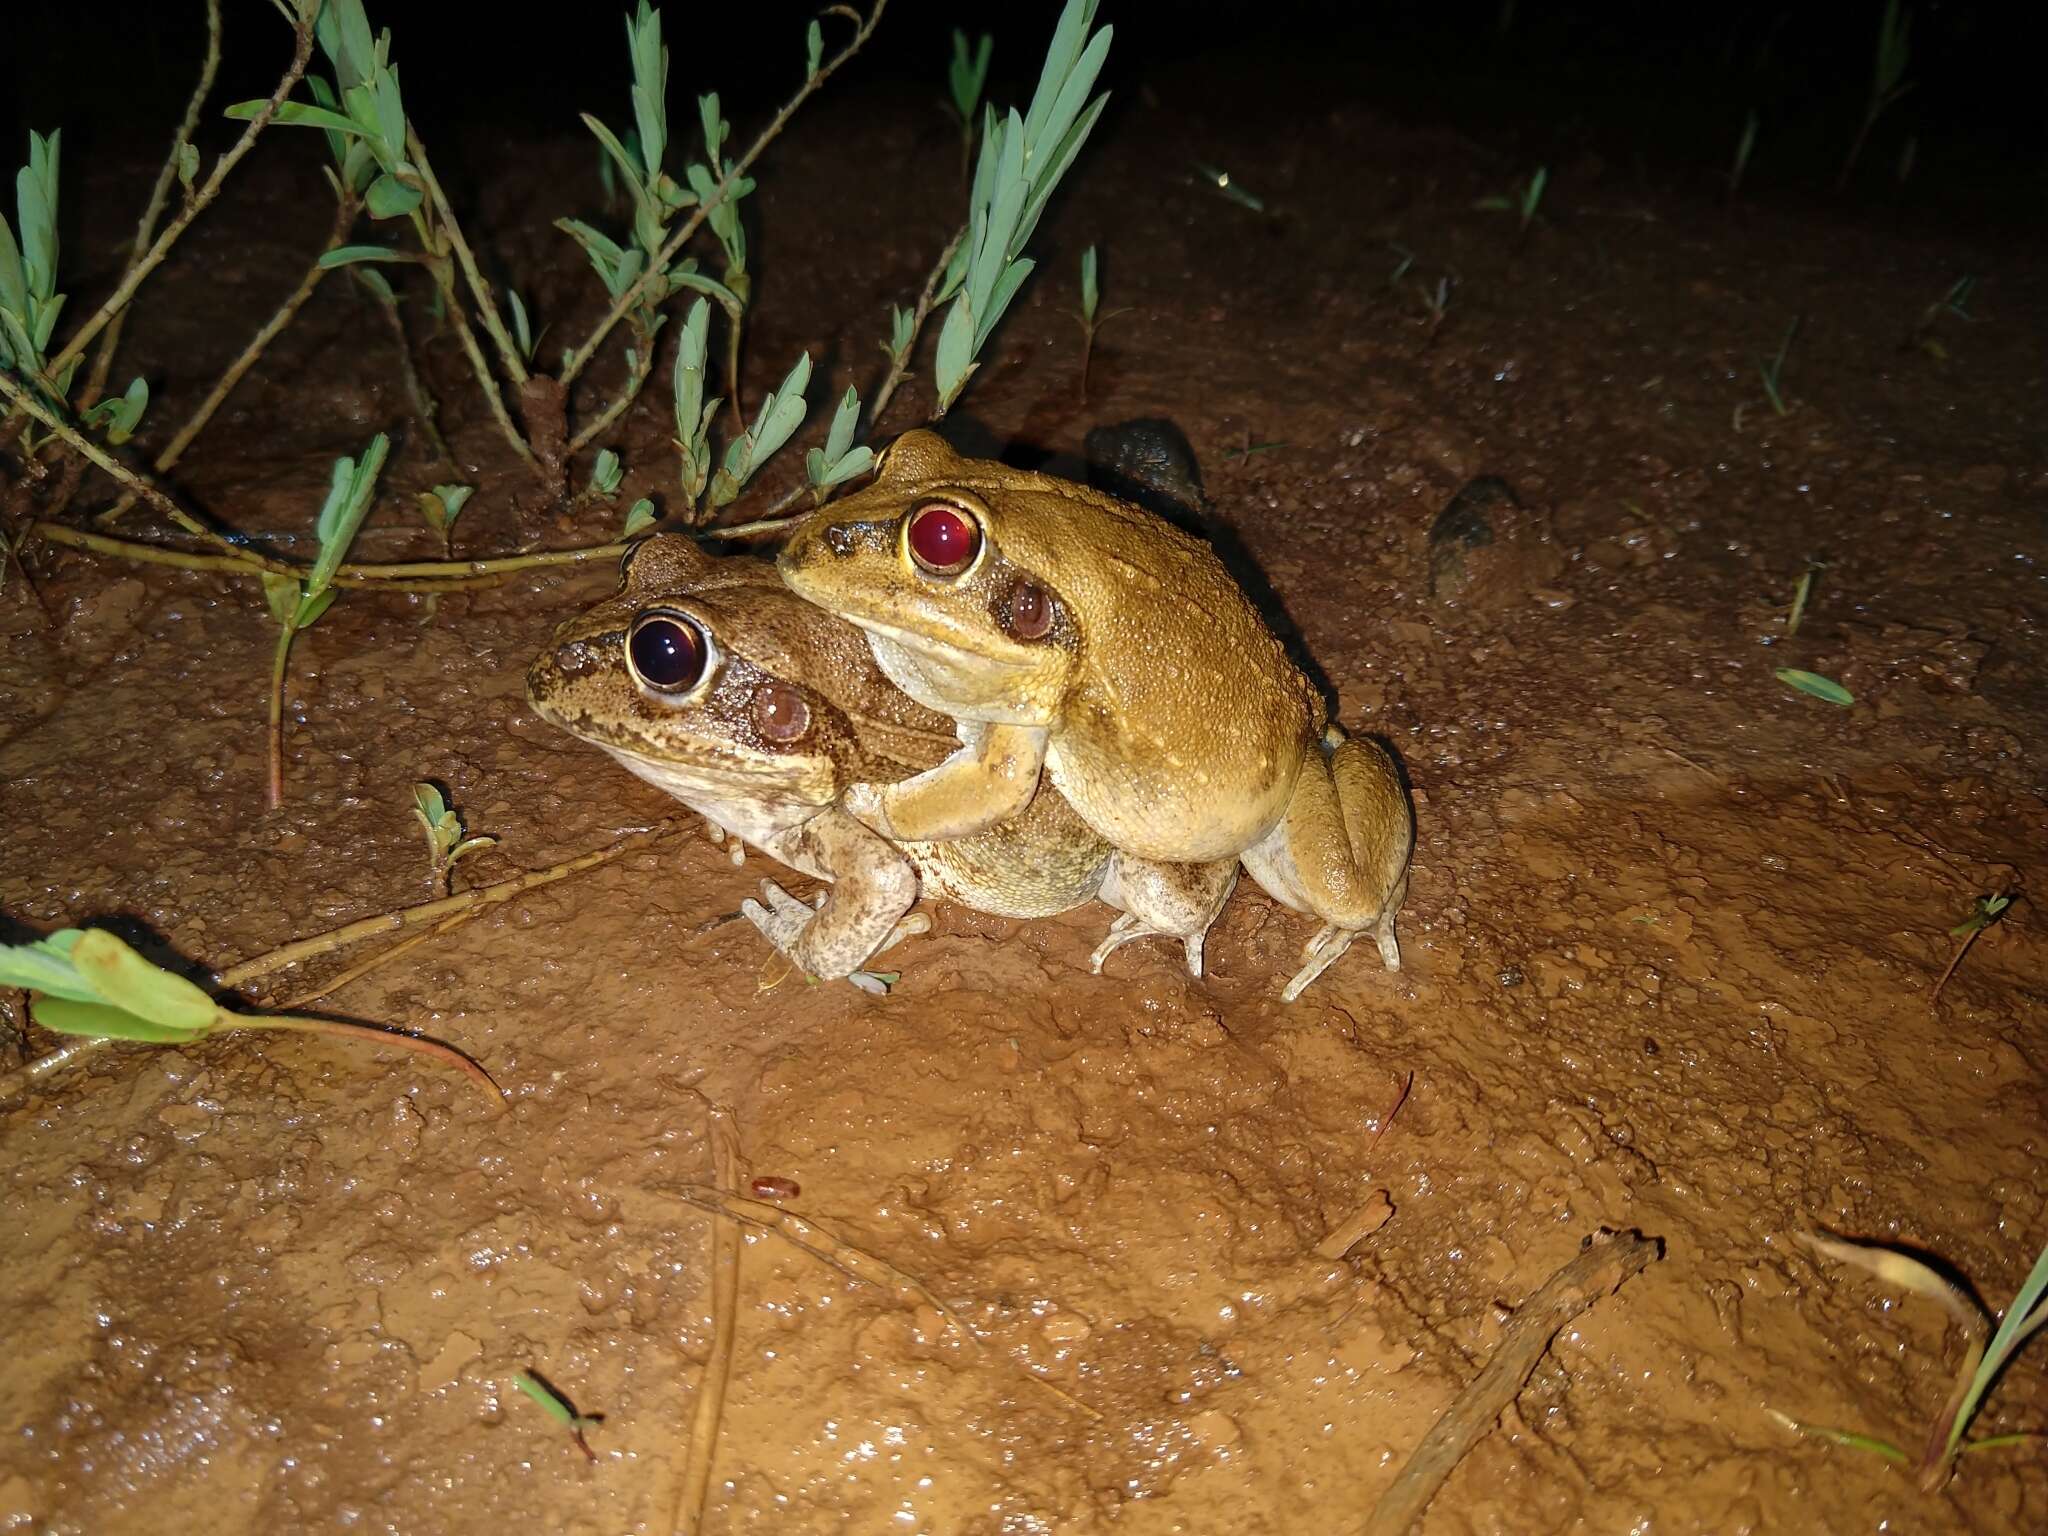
{"type": "Point", "coordinates": [1030, 611]}
{"type": "Point", "coordinates": [667, 653]}
{"type": "Point", "coordinates": [943, 540]}
{"type": "Point", "coordinates": [780, 713]}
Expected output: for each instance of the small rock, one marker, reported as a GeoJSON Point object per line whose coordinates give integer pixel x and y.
{"type": "Point", "coordinates": [1486, 549]}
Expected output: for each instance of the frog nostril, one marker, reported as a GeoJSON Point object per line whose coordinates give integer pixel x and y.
{"type": "Point", "coordinates": [840, 540]}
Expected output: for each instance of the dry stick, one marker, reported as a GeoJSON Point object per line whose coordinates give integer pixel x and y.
{"type": "Point", "coordinates": [423, 404]}
{"type": "Point", "coordinates": [643, 365]}
{"type": "Point", "coordinates": [694, 1494]}
{"type": "Point", "coordinates": [486, 303]}
{"type": "Point", "coordinates": [157, 554]}
{"type": "Point", "coordinates": [1600, 1268]}
{"type": "Point", "coordinates": [469, 903]}
{"type": "Point", "coordinates": [657, 270]}
{"type": "Point", "coordinates": [480, 366]}
{"type": "Point", "coordinates": [103, 360]}
{"type": "Point", "coordinates": [855, 1263]}
{"type": "Point", "coordinates": [198, 202]}
{"type": "Point", "coordinates": [344, 219]}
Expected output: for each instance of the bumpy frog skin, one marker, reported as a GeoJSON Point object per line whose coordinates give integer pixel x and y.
{"type": "Point", "coordinates": [711, 680]}
{"type": "Point", "coordinates": [1072, 633]}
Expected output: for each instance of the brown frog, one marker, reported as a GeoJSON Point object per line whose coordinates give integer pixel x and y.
{"type": "Point", "coordinates": [1077, 635]}
{"type": "Point", "coordinates": [709, 678]}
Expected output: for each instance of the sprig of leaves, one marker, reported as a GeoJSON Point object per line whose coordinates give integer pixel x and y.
{"type": "Point", "coordinates": [446, 841]}
{"type": "Point", "coordinates": [839, 460]}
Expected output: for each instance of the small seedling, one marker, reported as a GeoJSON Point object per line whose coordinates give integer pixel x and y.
{"type": "Point", "coordinates": [1813, 684]}
{"type": "Point", "coordinates": [440, 507]}
{"type": "Point", "coordinates": [1989, 909]}
{"type": "Point", "coordinates": [1249, 448]}
{"type": "Point", "coordinates": [1436, 304]}
{"type": "Point", "coordinates": [1888, 80]}
{"type": "Point", "coordinates": [639, 518]}
{"type": "Point", "coordinates": [1522, 204]}
{"type": "Point", "coordinates": [297, 606]}
{"type": "Point", "coordinates": [1401, 267]}
{"type": "Point", "coordinates": [1228, 187]}
{"type": "Point", "coordinates": [965, 77]}
{"type": "Point", "coordinates": [1743, 146]}
{"type": "Point", "coordinates": [781, 413]}
{"type": "Point", "coordinates": [1981, 1363]}
{"type": "Point", "coordinates": [1090, 320]}
{"type": "Point", "coordinates": [1955, 301]}
{"type": "Point", "coordinates": [558, 1408]}
{"type": "Point", "coordinates": [446, 844]}
{"type": "Point", "coordinates": [1800, 594]}
{"type": "Point", "coordinates": [605, 475]}
{"type": "Point", "coordinates": [1772, 371]}
{"type": "Point", "coordinates": [839, 460]}
{"type": "Point", "coordinates": [92, 984]}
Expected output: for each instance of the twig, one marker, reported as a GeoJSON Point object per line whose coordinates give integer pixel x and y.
{"type": "Point", "coordinates": [485, 379]}
{"type": "Point", "coordinates": [423, 404]}
{"type": "Point", "coordinates": [657, 270]}
{"type": "Point", "coordinates": [694, 1494]}
{"type": "Point", "coordinates": [643, 364]}
{"type": "Point", "coordinates": [157, 554]}
{"type": "Point", "coordinates": [487, 307]}
{"type": "Point", "coordinates": [344, 219]}
{"type": "Point", "coordinates": [899, 367]}
{"type": "Point", "coordinates": [103, 360]}
{"type": "Point", "coordinates": [1600, 1268]}
{"type": "Point", "coordinates": [202, 199]}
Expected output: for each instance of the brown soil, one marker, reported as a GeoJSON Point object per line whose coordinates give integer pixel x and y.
{"type": "Point", "coordinates": [1670, 949]}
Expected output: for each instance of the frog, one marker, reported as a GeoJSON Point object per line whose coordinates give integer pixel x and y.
{"type": "Point", "coordinates": [705, 676]}
{"type": "Point", "coordinates": [1079, 638]}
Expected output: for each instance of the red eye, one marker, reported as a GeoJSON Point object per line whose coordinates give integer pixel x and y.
{"type": "Point", "coordinates": [667, 653]}
{"type": "Point", "coordinates": [780, 712]}
{"type": "Point", "coordinates": [943, 539]}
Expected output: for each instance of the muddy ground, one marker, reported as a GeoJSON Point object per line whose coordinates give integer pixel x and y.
{"type": "Point", "coordinates": [1673, 937]}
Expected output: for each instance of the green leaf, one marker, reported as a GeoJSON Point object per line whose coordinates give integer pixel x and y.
{"type": "Point", "coordinates": [35, 193]}
{"type": "Point", "coordinates": [638, 516]}
{"type": "Point", "coordinates": [344, 33]}
{"type": "Point", "coordinates": [188, 166]}
{"type": "Point", "coordinates": [552, 1405]}
{"type": "Point", "coordinates": [1816, 685]}
{"type": "Point", "coordinates": [103, 1021]}
{"type": "Point", "coordinates": [391, 198]}
{"type": "Point", "coordinates": [650, 86]}
{"type": "Point", "coordinates": [13, 279]}
{"type": "Point", "coordinates": [521, 328]}
{"type": "Point", "coordinates": [428, 804]}
{"type": "Point", "coordinates": [2019, 1321]}
{"type": "Point", "coordinates": [1847, 1439]}
{"type": "Point", "coordinates": [281, 592]}
{"type": "Point", "coordinates": [839, 437]}
{"type": "Point", "coordinates": [955, 360]}
{"type": "Point", "coordinates": [781, 413]}
{"type": "Point", "coordinates": [1091, 294]}
{"type": "Point", "coordinates": [311, 606]}
{"type": "Point", "coordinates": [297, 114]}
{"type": "Point", "coordinates": [45, 966]}
{"type": "Point", "coordinates": [120, 414]}
{"type": "Point", "coordinates": [346, 255]}
{"type": "Point", "coordinates": [814, 49]}
{"type": "Point", "coordinates": [349, 494]}
{"type": "Point", "coordinates": [118, 975]}
{"type": "Point", "coordinates": [628, 165]}
{"type": "Point", "coordinates": [606, 473]}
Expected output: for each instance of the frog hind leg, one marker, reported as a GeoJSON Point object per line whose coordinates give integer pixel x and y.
{"type": "Point", "coordinates": [1176, 901]}
{"type": "Point", "coordinates": [783, 919]}
{"type": "Point", "coordinates": [1340, 852]}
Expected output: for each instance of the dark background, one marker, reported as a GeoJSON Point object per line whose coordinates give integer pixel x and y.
{"type": "Point", "coordinates": [1662, 88]}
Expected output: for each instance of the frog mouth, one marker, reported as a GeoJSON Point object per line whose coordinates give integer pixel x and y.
{"type": "Point", "coordinates": [945, 653]}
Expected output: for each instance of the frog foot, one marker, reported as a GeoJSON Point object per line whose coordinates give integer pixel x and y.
{"type": "Point", "coordinates": [1127, 927]}
{"type": "Point", "coordinates": [783, 920]}
{"type": "Point", "coordinates": [1320, 953]}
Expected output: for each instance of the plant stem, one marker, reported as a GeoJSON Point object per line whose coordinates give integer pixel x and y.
{"type": "Point", "coordinates": [487, 308]}
{"type": "Point", "coordinates": [344, 219]}
{"type": "Point", "coordinates": [423, 404]}
{"type": "Point", "coordinates": [103, 360]}
{"type": "Point", "coordinates": [657, 270]}
{"type": "Point", "coordinates": [200, 200]}
{"type": "Point", "coordinates": [643, 365]}
{"type": "Point", "coordinates": [445, 281]}
{"type": "Point", "coordinates": [695, 1491]}
{"type": "Point", "coordinates": [900, 366]}
{"type": "Point", "coordinates": [277, 665]}
{"type": "Point", "coordinates": [417, 1044]}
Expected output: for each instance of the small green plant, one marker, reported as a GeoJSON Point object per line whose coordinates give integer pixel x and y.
{"type": "Point", "coordinates": [1815, 686]}
{"type": "Point", "coordinates": [446, 842]}
{"type": "Point", "coordinates": [1090, 319]}
{"type": "Point", "coordinates": [1981, 1363]}
{"type": "Point", "coordinates": [605, 475]}
{"type": "Point", "coordinates": [1888, 80]}
{"type": "Point", "coordinates": [1436, 304]}
{"type": "Point", "coordinates": [1800, 594]}
{"type": "Point", "coordinates": [1988, 910]}
{"type": "Point", "coordinates": [965, 77]}
{"type": "Point", "coordinates": [1772, 370]}
{"type": "Point", "coordinates": [440, 507]}
{"type": "Point", "coordinates": [839, 460]}
{"type": "Point", "coordinates": [90, 983]}
{"type": "Point", "coordinates": [298, 605]}
{"type": "Point", "coordinates": [558, 1408]}
{"type": "Point", "coordinates": [1744, 145]}
{"type": "Point", "coordinates": [1522, 204]}
{"type": "Point", "coordinates": [1022, 160]}
{"type": "Point", "coordinates": [639, 518]}
{"type": "Point", "coordinates": [1228, 187]}
{"type": "Point", "coordinates": [1955, 301]}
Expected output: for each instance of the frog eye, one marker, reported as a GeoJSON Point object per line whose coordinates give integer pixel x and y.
{"type": "Point", "coordinates": [667, 652]}
{"type": "Point", "coordinates": [942, 540]}
{"type": "Point", "coordinates": [780, 713]}
{"type": "Point", "coordinates": [1031, 611]}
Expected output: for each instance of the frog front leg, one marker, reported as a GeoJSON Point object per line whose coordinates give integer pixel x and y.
{"type": "Point", "coordinates": [990, 779]}
{"type": "Point", "coordinates": [1341, 852]}
{"type": "Point", "coordinates": [1177, 901]}
{"type": "Point", "coordinates": [873, 888]}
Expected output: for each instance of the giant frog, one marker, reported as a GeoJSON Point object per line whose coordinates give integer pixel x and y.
{"type": "Point", "coordinates": [708, 678]}
{"type": "Point", "coordinates": [1077, 637]}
